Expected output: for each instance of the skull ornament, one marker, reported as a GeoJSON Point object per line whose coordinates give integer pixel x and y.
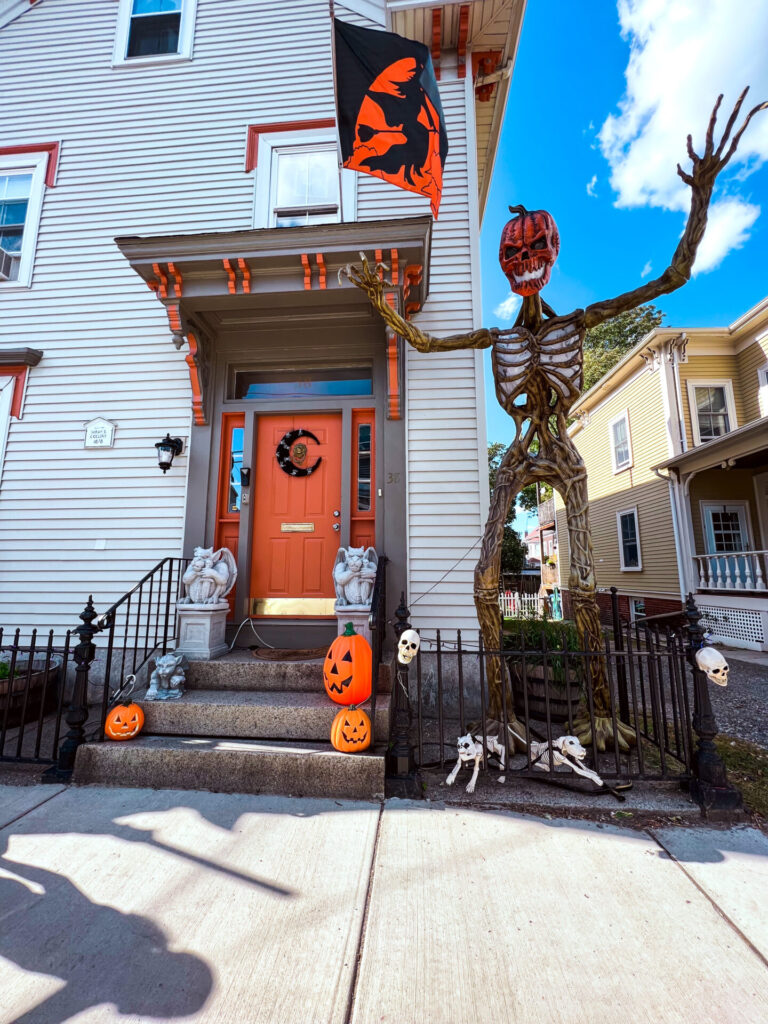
{"type": "Point", "coordinates": [714, 664]}
{"type": "Point", "coordinates": [408, 646]}
{"type": "Point", "coordinates": [528, 249]}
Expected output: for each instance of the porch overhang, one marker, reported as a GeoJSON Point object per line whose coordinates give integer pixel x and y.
{"type": "Point", "coordinates": [743, 447]}
{"type": "Point", "coordinates": [269, 275]}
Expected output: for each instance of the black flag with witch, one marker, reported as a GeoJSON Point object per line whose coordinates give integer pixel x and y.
{"type": "Point", "coordinates": [390, 119]}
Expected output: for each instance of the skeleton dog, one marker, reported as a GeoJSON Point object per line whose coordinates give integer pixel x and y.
{"type": "Point", "coordinates": [470, 748]}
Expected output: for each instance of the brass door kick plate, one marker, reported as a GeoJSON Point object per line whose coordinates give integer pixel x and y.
{"type": "Point", "coordinates": [297, 527]}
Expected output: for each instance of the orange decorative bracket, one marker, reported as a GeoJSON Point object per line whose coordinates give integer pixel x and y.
{"type": "Point", "coordinates": [307, 272]}
{"type": "Point", "coordinates": [485, 63]}
{"type": "Point", "coordinates": [195, 360]}
{"type": "Point", "coordinates": [437, 21]}
{"type": "Point", "coordinates": [461, 46]}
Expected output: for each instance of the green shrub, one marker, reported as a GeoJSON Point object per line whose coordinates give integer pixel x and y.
{"type": "Point", "coordinates": [535, 635]}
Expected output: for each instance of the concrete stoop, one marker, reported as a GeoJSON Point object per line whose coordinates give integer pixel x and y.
{"type": "Point", "coordinates": [243, 726]}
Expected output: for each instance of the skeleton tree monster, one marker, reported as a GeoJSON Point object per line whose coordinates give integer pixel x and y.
{"type": "Point", "coordinates": [537, 368]}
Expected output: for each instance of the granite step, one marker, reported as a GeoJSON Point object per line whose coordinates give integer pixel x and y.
{"type": "Point", "coordinates": [232, 766]}
{"type": "Point", "coordinates": [247, 714]}
{"type": "Point", "coordinates": [239, 670]}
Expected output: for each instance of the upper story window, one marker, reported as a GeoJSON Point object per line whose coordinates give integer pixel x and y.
{"type": "Point", "coordinates": [762, 390]}
{"type": "Point", "coordinates": [22, 183]}
{"type": "Point", "coordinates": [297, 178]}
{"type": "Point", "coordinates": [712, 409]}
{"type": "Point", "coordinates": [305, 186]}
{"type": "Point", "coordinates": [154, 30]}
{"type": "Point", "coordinates": [621, 448]}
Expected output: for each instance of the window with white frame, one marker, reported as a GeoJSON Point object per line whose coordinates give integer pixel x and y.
{"type": "Point", "coordinates": [629, 540]}
{"type": "Point", "coordinates": [298, 181]}
{"type": "Point", "coordinates": [22, 184]}
{"type": "Point", "coordinates": [636, 608]}
{"type": "Point", "coordinates": [762, 389]}
{"type": "Point", "coordinates": [621, 446]}
{"type": "Point", "coordinates": [154, 30]}
{"type": "Point", "coordinates": [713, 412]}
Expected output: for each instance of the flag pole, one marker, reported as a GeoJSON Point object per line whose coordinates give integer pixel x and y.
{"type": "Point", "coordinates": [336, 107]}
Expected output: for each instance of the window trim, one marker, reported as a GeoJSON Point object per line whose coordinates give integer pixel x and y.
{"type": "Point", "coordinates": [707, 504]}
{"type": "Point", "coordinates": [730, 405]}
{"type": "Point", "coordinates": [268, 142]}
{"type": "Point", "coordinates": [7, 394]}
{"type": "Point", "coordinates": [624, 415]}
{"type": "Point", "coordinates": [762, 389]}
{"type": "Point", "coordinates": [629, 568]}
{"type": "Point", "coordinates": [633, 616]}
{"type": "Point", "coordinates": [186, 38]}
{"type": "Point", "coordinates": [37, 164]}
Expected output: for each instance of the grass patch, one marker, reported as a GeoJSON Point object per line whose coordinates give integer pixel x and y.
{"type": "Point", "coordinates": [747, 766]}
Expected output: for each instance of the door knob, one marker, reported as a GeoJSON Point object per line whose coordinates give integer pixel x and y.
{"type": "Point", "coordinates": [336, 513]}
{"type": "Point", "coordinates": [337, 527]}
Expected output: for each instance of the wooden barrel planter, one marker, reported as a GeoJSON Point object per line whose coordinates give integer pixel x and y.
{"type": "Point", "coordinates": [14, 689]}
{"type": "Point", "coordinates": [537, 685]}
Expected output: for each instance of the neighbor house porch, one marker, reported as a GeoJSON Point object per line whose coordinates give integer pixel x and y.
{"type": "Point", "coordinates": [721, 504]}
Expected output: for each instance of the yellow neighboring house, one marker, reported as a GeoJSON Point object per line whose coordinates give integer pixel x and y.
{"type": "Point", "coordinates": [675, 441]}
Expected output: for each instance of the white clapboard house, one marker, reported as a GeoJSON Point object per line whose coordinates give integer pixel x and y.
{"type": "Point", "coordinates": [172, 224]}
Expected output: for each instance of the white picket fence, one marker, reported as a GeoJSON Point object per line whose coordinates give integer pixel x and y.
{"type": "Point", "coordinates": [514, 605]}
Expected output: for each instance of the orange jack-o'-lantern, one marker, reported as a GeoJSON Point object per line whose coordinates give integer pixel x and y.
{"type": "Point", "coordinates": [528, 249]}
{"type": "Point", "coordinates": [347, 668]}
{"type": "Point", "coordinates": [124, 722]}
{"type": "Point", "coordinates": [351, 730]}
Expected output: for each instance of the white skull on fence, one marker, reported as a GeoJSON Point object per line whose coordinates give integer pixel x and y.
{"type": "Point", "coordinates": [714, 664]}
{"type": "Point", "coordinates": [408, 646]}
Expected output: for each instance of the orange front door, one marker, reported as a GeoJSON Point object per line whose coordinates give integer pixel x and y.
{"type": "Point", "coordinates": [294, 540]}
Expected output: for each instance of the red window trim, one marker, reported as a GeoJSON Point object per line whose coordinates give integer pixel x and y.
{"type": "Point", "coordinates": [255, 130]}
{"type": "Point", "coordinates": [51, 148]}
{"type": "Point", "coordinates": [20, 373]}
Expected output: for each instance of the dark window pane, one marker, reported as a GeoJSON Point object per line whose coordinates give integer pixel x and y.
{"type": "Point", "coordinates": [364, 467]}
{"type": "Point", "coordinates": [629, 541]}
{"type": "Point", "coordinates": [235, 465]}
{"type": "Point", "coordinates": [11, 241]}
{"type": "Point", "coordinates": [154, 35]}
{"type": "Point", "coordinates": [14, 213]}
{"type": "Point", "coordinates": [364, 496]}
{"type": "Point", "coordinates": [338, 382]}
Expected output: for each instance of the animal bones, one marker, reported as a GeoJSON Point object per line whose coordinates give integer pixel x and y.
{"type": "Point", "coordinates": [566, 750]}
{"type": "Point", "coordinates": [470, 748]}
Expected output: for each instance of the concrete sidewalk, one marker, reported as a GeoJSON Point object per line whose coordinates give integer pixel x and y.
{"type": "Point", "coordinates": [141, 905]}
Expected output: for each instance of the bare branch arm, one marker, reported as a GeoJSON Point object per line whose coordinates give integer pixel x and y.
{"type": "Point", "coordinates": [702, 181]}
{"type": "Point", "coordinates": [367, 280]}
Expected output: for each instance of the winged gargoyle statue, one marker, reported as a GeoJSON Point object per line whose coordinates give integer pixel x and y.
{"type": "Point", "coordinates": [537, 368]}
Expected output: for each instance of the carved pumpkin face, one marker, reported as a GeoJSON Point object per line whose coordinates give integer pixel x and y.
{"type": "Point", "coordinates": [124, 722]}
{"type": "Point", "coordinates": [528, 249]}
{"type": "Point", "coordinates": [347, 668]}
{"type": "Point", "coordinates": [351, 730]}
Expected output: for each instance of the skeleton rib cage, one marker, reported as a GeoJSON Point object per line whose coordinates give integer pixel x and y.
{"type": "Point", "coordinates": [550, 358]}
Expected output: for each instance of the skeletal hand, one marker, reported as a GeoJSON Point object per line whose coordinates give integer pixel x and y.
{"type": "Point", "coordinates": [367, 279]}
{"type": "Point", "coordinates": [707, 167]}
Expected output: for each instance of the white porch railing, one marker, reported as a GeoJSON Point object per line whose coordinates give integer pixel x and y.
{"type": "Point", "coordinates": [739, 570]}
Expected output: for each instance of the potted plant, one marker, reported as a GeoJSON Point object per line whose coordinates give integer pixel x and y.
{"type": "Point", "coordinates": [539, 664]}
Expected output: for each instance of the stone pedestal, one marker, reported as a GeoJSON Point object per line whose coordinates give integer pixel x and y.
{"type": "Point", "coordinates": [202, 630]}
{"type": "Point", "coordinates": [355, 614]}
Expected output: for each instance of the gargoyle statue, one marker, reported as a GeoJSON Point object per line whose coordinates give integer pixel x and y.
{"type": "Point", "coordinates": [354, 573]}
{"type": "Point", "coordinates": [538, 371]}
{"type": "Point", "coordinates": [168, 678]}
{"type": "Point", "coordinates": [209, 577]}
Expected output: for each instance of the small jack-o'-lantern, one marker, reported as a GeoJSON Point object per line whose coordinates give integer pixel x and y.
{"type": "Point", "coordinates": [124, 722]}
{"type": "Point", "coordinates": [347, 668]}
{"type": "Point", "coordinates": [351, 730]}
{"type": "Point", "coordinates": [528, 249]}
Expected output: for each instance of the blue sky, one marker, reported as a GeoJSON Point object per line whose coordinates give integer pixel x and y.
{"type": "Point", "coordinates": [653, 84]}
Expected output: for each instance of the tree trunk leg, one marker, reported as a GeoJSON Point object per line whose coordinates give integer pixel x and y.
{"type": "Point", "coordinates": [581, 585]}
{"type": "Point", "coordinates": [510, 480]}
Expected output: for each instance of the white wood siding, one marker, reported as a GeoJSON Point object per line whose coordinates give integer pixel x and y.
{"type": "Point", "coordinates": [443, 394]}
{"type": "Point", "coordinates": [150, 150]}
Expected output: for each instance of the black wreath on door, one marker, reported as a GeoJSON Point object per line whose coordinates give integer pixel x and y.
{"type": "Point", "coordinates": [283, 453]}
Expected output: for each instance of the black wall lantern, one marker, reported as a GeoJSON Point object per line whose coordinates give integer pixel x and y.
{"type": "Point", "coordinates": [166, 449]}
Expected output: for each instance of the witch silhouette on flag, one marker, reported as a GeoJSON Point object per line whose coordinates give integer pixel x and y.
{"type": "Point", "coordinates": [389, 114]}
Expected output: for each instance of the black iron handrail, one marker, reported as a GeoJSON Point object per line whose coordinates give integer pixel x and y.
{"type": "Point", "coordinates": [377, 623]}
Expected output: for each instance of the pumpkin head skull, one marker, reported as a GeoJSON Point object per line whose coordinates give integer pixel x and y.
{"type": "Point", "coordinates": [528, 249]}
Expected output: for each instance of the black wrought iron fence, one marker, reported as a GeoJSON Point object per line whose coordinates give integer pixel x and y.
{"type": "Point", "coordinates": [33, 695]}
{"type": "Point", "coordinates": [141, 623]}
{"type": "Point", "coordinates": [547, 688]}
{"type": "Point", "coordinates": [377, 622]}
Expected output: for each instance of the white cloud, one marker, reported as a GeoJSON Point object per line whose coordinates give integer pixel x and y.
{"type": "Point", "coordinates": [591, 186]}
{"type": "Point", "coordinates": [507, 310]}
{"type": "Point", "coordinates": [682, 53]}
{"type": "Point", "coordinates": [646, 269]}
